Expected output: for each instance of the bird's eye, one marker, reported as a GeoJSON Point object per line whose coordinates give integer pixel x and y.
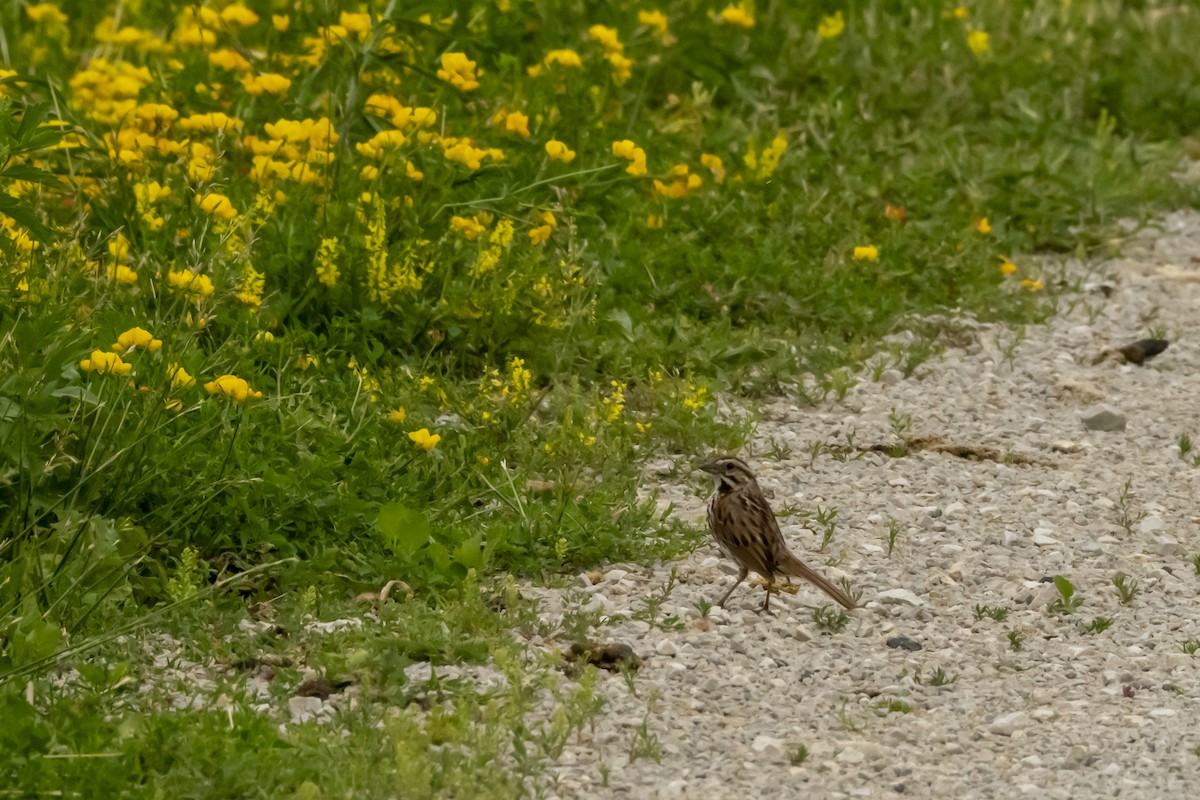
{"type": "Point", "coordinates": [729, 467]}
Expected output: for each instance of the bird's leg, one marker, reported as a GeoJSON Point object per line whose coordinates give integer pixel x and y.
{"type": "Point", "coordinates": [766, 606]}
{"type": "Point", "coordinates": [741, 577]}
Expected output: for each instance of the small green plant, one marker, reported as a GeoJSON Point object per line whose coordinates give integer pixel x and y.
{"type": "Point", "coordinates": [704, 605]}
{"type": "Point", "coordinates": [645, 744]}
{"type": "Point", "coordinates": [829, 619]}
{"type": "Point", "coordinates": [939, 677]}
{"type": "Point", "coordinates": [1127, 515]}
{"type": "Point", "coordinates": [892, 706]}
{"type": "Point", "coordinates": [1190, 646]}
{"type": "Point", "coordinates": [826, 519]}
{"type": "Point", "coordinates": [1008, 344]}
{"type": "Point", "coordinates": [652, 606]}
{"type": "Point", "coordinates": [1185, 449]}
{"type": "Point", "coordinates": [848, 722]}
{"type": "Point", "coordinates": [1196, 563]}
{"type": "Point", "coordinates": [800, 755]}
{"type": "Point", "coordinates": [893, 532]}
{"type": "Point", "coordinates": [899, 423]}
{"type": "Point", "coordinates": [1098, 625]}
{"type": "Point", "coordinates": [1127, 588]}
{"type": "Point", "coordinates": [999, 613]}
{"type": "Point", "coordinates": [839, 381]}
{"type": "Point", "coordinates": [1068, 601]}
{"type": "Point", "coordinates": [189, 572]}
{"type": "Point", "coordinates": [1016, 641]}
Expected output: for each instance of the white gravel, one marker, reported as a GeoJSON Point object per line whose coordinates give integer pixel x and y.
{"type": "Point", "coordinates": [729, 700]}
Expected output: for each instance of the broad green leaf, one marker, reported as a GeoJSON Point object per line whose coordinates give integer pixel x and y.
{"type": "Point", "coordinates": [404, 530]}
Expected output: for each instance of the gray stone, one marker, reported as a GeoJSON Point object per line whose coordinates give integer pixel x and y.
{"type": "Point", "coordinates": [1008, 724]}
{"type": "Point", "coordinates": [1103, 418]}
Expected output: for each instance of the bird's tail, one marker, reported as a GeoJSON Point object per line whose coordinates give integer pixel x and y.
{"type": "Point", "coordinates": [797, 568]}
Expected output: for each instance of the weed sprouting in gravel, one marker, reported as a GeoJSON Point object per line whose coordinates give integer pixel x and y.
{"type": "Point", "coordinates": [652, 606]}
{"type": "Point", "coordinates": [1190, 646]}
{"type": "Point", "coordinates": [830, 619]}
{"type": "Point", "coordinates": [998, 613]}
{"type": "Point", "coordinates": [1068, 601]}
{"type": "Point", "coordinates": [939, 677]}
{"type": "Point", "coordinates": [645, 744]}
{"type": "Point", "coordinates": [892, 706]}
{"type": "Point", "coordinates": [1185, 450]}
{"type": "Point", "coordinates": [826, 519]}
{"type": "Point", "coordinates": [899, 423]}
{"type": "Point", "coordinates": [1128, 515]}
{"type": "Point", "coordinates": [893, 532]}
{"type": "Point", "coordinates": [799, 755]}
{"type": "Point", "coordinates": [1098, 625]}
{"type": "Point", "coordinates": [1127, 588]}
{"type": "Point", "coordinates": [1016, 640]}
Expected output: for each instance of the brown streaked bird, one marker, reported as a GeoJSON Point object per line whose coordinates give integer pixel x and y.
{"type": "Point", "coordinates": [746, 530]}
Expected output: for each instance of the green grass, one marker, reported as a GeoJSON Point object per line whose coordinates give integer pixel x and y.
{"type": "Point", "coordinates": [554, 324]}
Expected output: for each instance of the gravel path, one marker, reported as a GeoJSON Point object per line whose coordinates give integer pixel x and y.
{"type": "Point", "coordinates": [729, 700]}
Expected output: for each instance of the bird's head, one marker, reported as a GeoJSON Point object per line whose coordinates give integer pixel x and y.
{"type": "Point", "coordinates": [729, 473]}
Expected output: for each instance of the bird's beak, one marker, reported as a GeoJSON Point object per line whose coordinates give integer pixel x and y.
{"type": "Point", "coordinates": [712, 468]}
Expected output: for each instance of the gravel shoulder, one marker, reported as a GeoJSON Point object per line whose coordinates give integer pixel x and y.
{"type": "Point", "coordinates": [728, 700]}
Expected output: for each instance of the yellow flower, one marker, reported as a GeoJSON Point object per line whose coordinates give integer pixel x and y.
{"type": "Point", "coordinates": [424, 439]}
{"type": "Point", "coordinates": [960, 12]}
{"type": "Point", "coordinates": [469, 227]}
{"type": "Point", "coordinates": [307, 360]}
{"type": "Point", "coordinates": [655, 21]}
{"type": "Point", "coordinates": [227, 58]}
{"type": "Point", "coordinates": [983, 226]}
{"type": "Point", "coordinates": [45, 12]}
{"type": "Point", "coordinates": [397, 414]}
{"type": "Point", "coordinates": [121, 273]}
{"type": "Point", "coordinates": [105, 364]}
{"type": "Point", "coordinates": [831, 27]}
{"type": "Point", "coordinates": [540, 234]}
{"type": "Point", "coordinates": [636, 155]}
{"type": "Point", "coordinates": [218, 205]}
{"type": "Point", "coordinates": [233, 387]}
{"type": "Point", "coordinates": [548, 218]}
{"type": "Point", "coordinates": [1007, 267]}
{"type": "Point", "coordinates": [866, 253]}
{"type": "Point", "coordinates": [736, 15]}
{"type": "Point", "coordinates": [281, 22]}
{"type": "Point", "coordinates": [715, 165]}
{"type": "Point", "coordinates": [134, 338]}
{"type": "Point", "coordinates": [180, 379]}
{"type": "Point", "coordinates": [190, 282]}
{"type": "Point", "coordinates": [267, 83]}
{"type": "Point", "coordinates": [327, 271]}
{"type": "Point", "coordinates": [459, 71]}
{"type": "Point", "coordinates": [238, 14]}
{"type": "Point", "coordinates": [978, 42]}
{"type": "Point", "coordinates": [559, 151]}
{"type": "Point", "coordinates": [764, 163]}
{"type": "Point", "coordinates": [516, 122]}
{"type": "Point", "coordinates": [465, 153]}
{"type": "Point", "coordinates": [1031, 285]}
{"type": "Point", "coordinates": [563, 58]}
{"type": "Point", "coordinates": [654, 221]}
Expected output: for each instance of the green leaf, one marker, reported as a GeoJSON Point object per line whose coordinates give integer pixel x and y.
{"type": "Point", "coordinates": [35, 641]}
{"type": "Point", "coordinates": [469, 553]}
{"type": "Point", "coordinates": [1064, 586]}
{"type": "Point", "coordinates": [80, 393]}
{"type": "Point", "coordinates": [404, 530]}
